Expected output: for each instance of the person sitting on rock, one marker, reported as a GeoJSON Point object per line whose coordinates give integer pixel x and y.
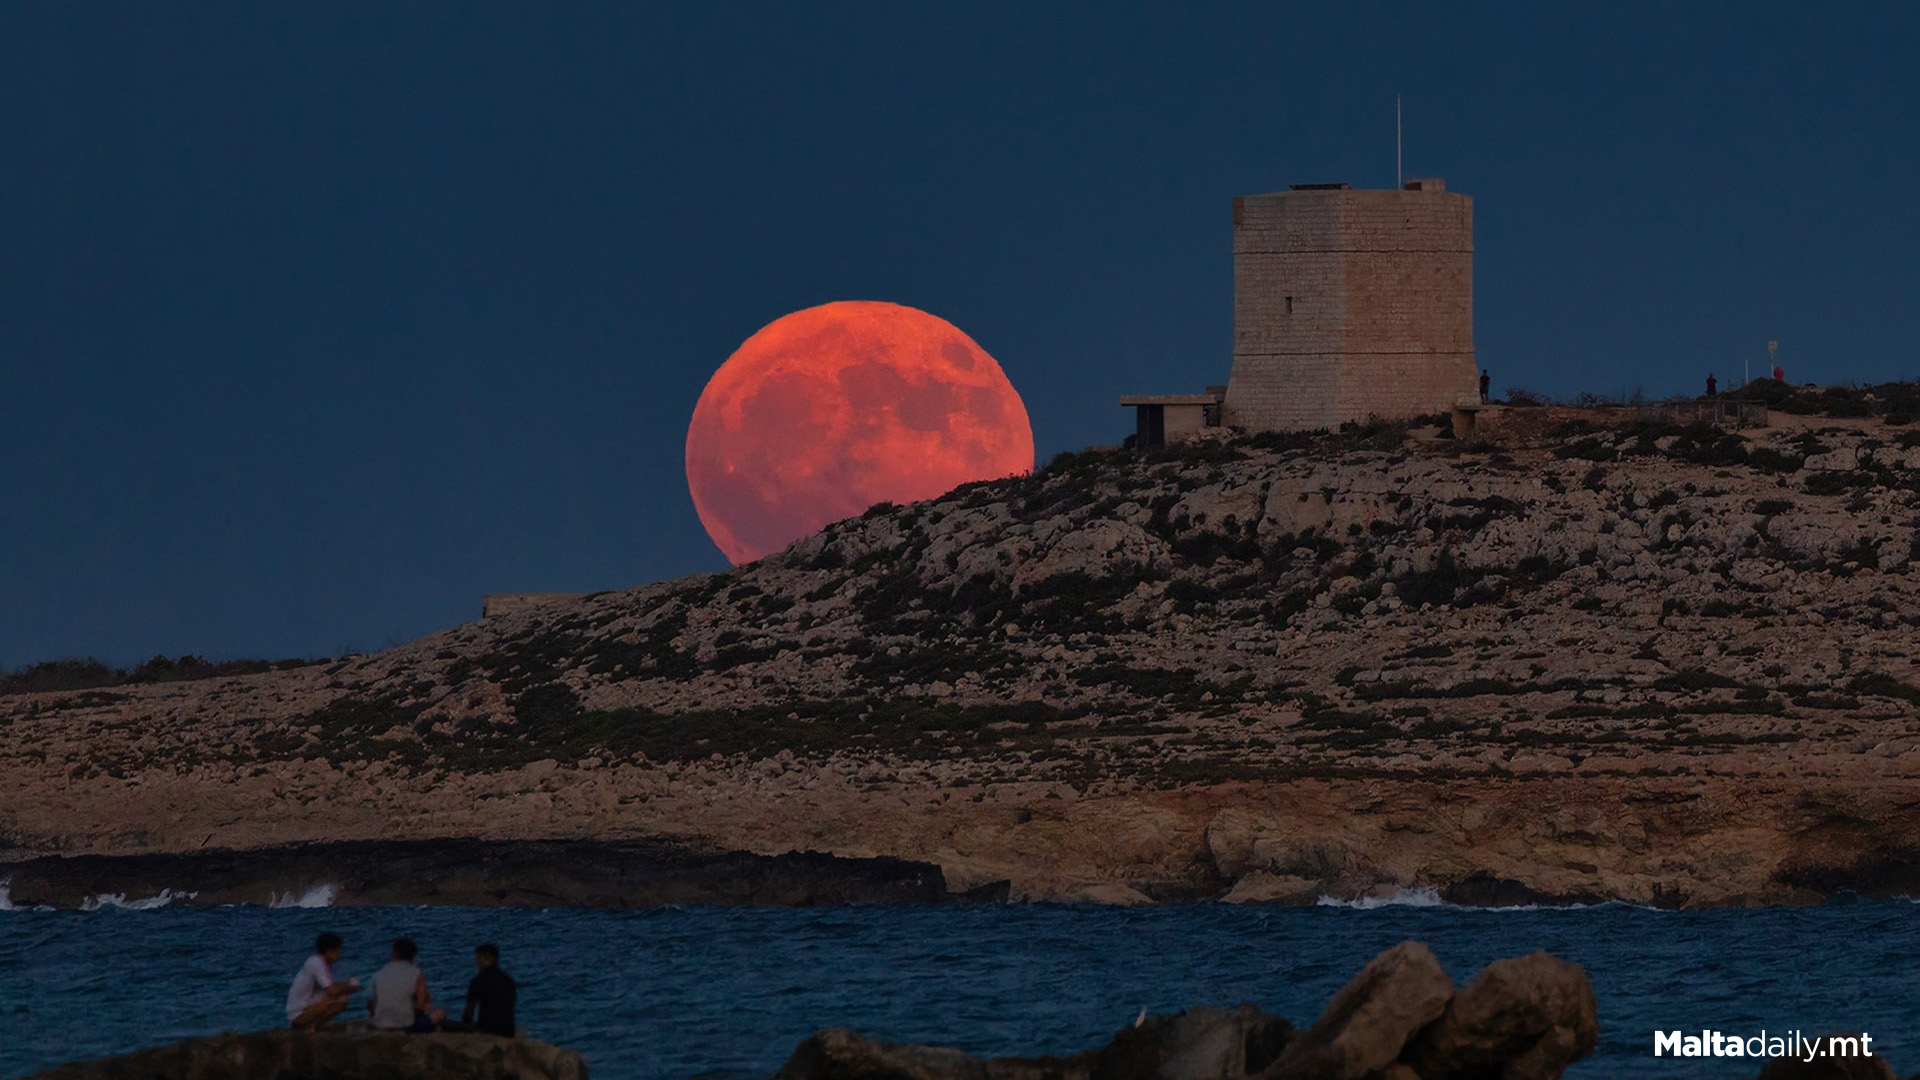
{"type": "Point", "coordinates": [400, 1001]}
{"type": "Point", "coordinates": [316, 997]}
{"type": "Point", "coordinates": [490, 995]}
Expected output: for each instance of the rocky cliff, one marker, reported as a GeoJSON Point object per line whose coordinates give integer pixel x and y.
{"type": "Point", "coordinates": [1671, 665]}
{"type": "Point", "coordinates": [291, 1055]}
{"type": "Point", "coordinates": [480, 873]}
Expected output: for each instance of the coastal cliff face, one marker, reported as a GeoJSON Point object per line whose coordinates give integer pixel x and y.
{"type": "Point", "coordinates": [1672, 666]}
{"type": "Point", "coordinates": [479, 873]}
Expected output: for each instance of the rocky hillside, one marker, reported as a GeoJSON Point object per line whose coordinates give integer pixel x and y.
{"type": "Point", "coordinates": [1669, 664]}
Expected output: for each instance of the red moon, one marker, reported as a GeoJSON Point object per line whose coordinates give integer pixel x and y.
{"type": "Point", "coordinates": [827, 411]}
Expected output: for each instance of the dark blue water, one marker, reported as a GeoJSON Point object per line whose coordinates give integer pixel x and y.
{"type": "Point", "coordinates": [729, 991]}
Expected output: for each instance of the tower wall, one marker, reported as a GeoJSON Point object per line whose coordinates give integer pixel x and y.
{"type": "Point", "coordinates": [1349, 304]}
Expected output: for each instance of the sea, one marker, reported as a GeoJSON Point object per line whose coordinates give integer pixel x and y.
{"type": "Point", "coordinates": [684, 992]}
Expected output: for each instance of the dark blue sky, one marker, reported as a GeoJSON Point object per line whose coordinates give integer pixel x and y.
{"type": "Point", "coordinates": [320, 320]}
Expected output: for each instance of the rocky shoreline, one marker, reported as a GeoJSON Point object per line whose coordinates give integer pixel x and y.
{"type": "Point", "coordinates": [481, 873]}
{"type": "Point", "coordinates": [334, 1055]}
{"type": "Point", "coordinates": [1526, 1018]}
{"type": "Point", "coordinates": [1400, 1018]}
{"type": "Point", "coordinates": [1402, 854]}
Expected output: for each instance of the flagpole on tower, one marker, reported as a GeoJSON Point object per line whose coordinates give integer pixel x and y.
{"type": "Point", "coordinates": [1399, 167]}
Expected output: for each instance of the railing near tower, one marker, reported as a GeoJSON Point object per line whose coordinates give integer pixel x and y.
{"type": "Point", "coordinates": [1722, 412]}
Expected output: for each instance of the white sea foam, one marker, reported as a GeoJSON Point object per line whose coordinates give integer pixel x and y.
{"type": "Point", "coordinates": [317, 897]}
{"type": "Point", "coordinates": [1427, 896]}
{"type": "Point", "coordinates": [1423, 896]}
{"type": "Point", "coordinates": [145, 903]}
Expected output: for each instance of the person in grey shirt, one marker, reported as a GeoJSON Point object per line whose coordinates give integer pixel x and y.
{"type": "Point", "coordinates": [400, 1001]}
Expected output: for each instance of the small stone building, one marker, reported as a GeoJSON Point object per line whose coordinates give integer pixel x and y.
{"type": "Point", "coordinates": [1163, 418]}
{"type": "Point", "coordinates": [1347, 305]}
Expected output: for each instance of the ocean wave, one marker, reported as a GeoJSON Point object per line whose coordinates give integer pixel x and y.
{"type": "Point", "coordinates": [1427, 896]}
{"type": "Point", "coordinates": [145, 903]}
{"type": "Point", "coordinates": [1423, 896]}
{"type": "Point", "coordinates": [318, 896]}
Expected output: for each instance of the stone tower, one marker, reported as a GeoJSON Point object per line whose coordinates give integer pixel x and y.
{"type": "Point", "coordinates": [1350, 303]}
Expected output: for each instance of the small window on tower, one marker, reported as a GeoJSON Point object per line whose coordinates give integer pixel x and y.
{"type": "Point", "coordinates": [1289, 305]}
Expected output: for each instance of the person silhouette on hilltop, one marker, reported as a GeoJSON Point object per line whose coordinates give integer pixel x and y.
{"type": "Point", "coordinates": [1486, 386]}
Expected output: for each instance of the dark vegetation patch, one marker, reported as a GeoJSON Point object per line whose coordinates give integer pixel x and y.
{"type": "Point", "coordinates": [1693, 680]}
{"type": "Point", "coordinates": [1879, 684]}
{"type": "Point", "coordinates": [1449, 583]}
{"type": "Point", "coordinates": [1472, 514]}
{"type": "Point", "coordinates": [548, 722]}
{"type": "Point", "coordinates": [936, 663]}
{"type": "Point", "coordinates": [90, 674]}
{"type": "Point", "coordinates": [652, 652]}
{"type": "Point", "coordinates": [1068, 603]}
{"type": "Point", "coordinates": [1180, 688]}
{"type": "Point", "coordinates": [1480, 686]}
{"type": "Point", "coordinates": [1826, 701]}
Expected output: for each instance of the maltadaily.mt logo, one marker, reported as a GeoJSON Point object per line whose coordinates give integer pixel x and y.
{"type": "Point", "coordinates": [1793, 1044]}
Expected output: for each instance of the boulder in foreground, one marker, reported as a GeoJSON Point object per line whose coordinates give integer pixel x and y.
{"type": "Point", "coordinates": [293, 1055]}
{"type": "Point", "coordinates": [1524, 1019]}
{"type": "Point", "coordinates": [1370, 1020]}
{"type": "Point", "coordinates": [1399, 1019]}
{"type": "Point", "coordinates": [1198, 1044]}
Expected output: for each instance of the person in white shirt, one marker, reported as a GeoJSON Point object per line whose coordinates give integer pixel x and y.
{"type": "Point", "coordinates": [316, 997]}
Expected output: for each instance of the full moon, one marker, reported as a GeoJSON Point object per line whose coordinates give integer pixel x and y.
{"type": "Point", "coordinates": [827, 411]}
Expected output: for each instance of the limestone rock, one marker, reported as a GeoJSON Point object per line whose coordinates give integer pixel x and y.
{"type": "Point", "coordinates": [1842, 460]}
{"type": "Point", "coordinates": [1098, 549]}
{"type": "Point", "coordinates": [1262, 887]}
{"type": "Point", "coordinates": [1111, 893]}
{"type": "Point", "coordinates": [1369, 1022]}
{"type": "Point", "coordinates": [1198, 1044]}
{"type": "Point", "coordinates": [834, 1054]}
{"type": "Point", "coordinates": [291, 1055]}
{"type": "Point", "coordinates": [1521, 1019]}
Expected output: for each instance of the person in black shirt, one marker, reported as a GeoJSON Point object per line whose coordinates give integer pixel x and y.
{"type": "Point", "coordinates": [490, 995]}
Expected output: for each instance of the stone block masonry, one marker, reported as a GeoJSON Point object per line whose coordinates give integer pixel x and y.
{"type": "Point", "coordinates": [1350, 304]}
